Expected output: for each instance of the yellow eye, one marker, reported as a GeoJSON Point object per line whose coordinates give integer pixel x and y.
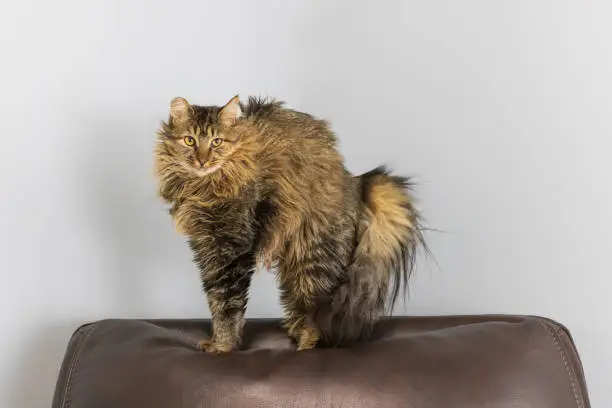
{"type": "Point", "coordinates": [189, 141]}
{"type": "Point", "coordinates": [216, 142]}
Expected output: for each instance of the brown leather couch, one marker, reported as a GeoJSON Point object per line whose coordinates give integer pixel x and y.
{"type": "Point", "coordinates": [416, 362]}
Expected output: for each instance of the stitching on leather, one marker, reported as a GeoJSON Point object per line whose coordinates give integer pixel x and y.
{"type": "Point", "coordinates": [67, 397]}
{"type": "Point", "coordinates": [568, 369]}
{"type": "Point", "coordinates": [579, 389]}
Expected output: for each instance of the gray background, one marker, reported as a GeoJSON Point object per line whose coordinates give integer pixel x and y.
{"type": "Point", "coordinates": [500, 108]}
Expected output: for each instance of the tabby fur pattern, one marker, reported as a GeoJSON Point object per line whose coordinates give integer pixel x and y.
{"type": "Point", "coordinates": [260, 183]}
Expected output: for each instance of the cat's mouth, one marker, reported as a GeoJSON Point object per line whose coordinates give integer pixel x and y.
{"type": "Point", "coordinates": [206, 169]}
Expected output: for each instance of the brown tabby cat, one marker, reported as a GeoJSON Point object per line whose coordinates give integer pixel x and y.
{"type": "Point", "coordinates": [258, 181]}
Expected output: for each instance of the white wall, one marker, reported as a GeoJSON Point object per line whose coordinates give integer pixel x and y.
{"type": "Point", "coordinates": [501, 108]}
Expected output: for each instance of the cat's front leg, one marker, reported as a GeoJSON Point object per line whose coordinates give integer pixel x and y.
{"type": "Point", "coordinates": [227, 293]}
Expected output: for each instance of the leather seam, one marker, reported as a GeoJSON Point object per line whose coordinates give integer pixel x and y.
{"type": "Point", "coordinates": [67, 396]}
{"type": "Point", "coordinates": [568, 369]}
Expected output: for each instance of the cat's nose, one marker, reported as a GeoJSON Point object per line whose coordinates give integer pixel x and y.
{"type": "Point", "coordinates": [198, 163]}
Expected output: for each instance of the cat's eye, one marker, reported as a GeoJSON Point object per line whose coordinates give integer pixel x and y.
{"type": "Point", "coordinates": [216, 142]}
{"type": "Point", "coordinates": [189, 141]}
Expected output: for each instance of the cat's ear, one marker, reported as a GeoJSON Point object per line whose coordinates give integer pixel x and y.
{"type": "Point", "coordinates": [229, 114]}
{"type": "Point", "coordinates": [180, 110]}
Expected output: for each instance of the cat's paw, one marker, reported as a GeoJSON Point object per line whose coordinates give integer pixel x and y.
{"type": "Point", "coordinates": [210, 346]}
{"type": "Point", "coordinates": [293, 326]}
{"type": "Point", "coordinates": [308, 339]}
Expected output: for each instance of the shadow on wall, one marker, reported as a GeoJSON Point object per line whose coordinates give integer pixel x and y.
{"type": "Point", "coordinates": [122, 207]}
{"type": "Point", "coordinates": [143, 251]}
{"type": "Point", "coordinates": [133, 243]}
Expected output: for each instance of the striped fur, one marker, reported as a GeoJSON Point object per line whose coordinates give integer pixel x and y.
{"type": "Point", "coordinates": [275, 190]}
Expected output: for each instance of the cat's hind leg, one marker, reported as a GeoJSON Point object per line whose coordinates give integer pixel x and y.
{"type": "Point", "coordinates": [300, 290]}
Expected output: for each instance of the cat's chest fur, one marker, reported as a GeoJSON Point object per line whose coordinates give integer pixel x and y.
{"type": "Point", "coordinates": [205, 211]}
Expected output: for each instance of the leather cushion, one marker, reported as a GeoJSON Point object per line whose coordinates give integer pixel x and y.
{"type": "Point", "coordinates": [417, 362]}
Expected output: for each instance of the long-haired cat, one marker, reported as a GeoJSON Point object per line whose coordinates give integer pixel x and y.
{"type": "Point", "coordinates": [260, 182]}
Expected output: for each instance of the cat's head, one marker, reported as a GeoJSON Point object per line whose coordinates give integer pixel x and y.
{"type": "Point", "coordinates": [202, 139]}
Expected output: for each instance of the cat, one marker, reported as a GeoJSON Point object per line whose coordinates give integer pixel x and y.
{"type": "Point", "coordinates": [258, 182]}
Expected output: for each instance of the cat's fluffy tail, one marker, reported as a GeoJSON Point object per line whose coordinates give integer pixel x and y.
{"type": "Point", "coordinates": [389, 235]}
